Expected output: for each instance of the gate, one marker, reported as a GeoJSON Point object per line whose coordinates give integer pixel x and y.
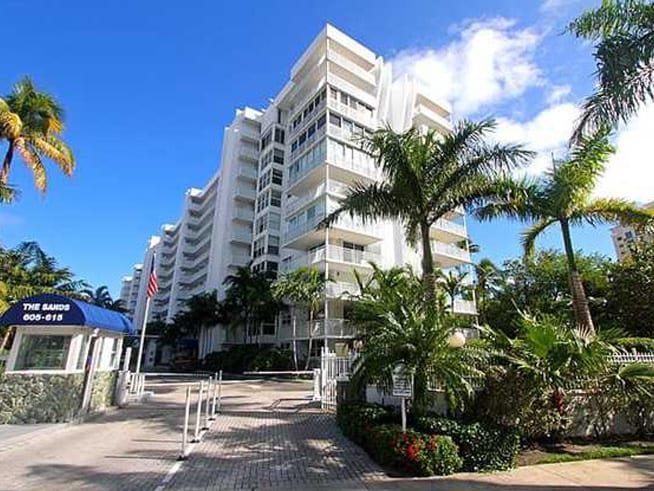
{"type": "Point", "coordinates": [332, 370]}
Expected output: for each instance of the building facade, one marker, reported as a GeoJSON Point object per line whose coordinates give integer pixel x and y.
{"type": "Point", "coordinates": [283, 170]}
{"type": "Point", "coordinates": [624, 237]}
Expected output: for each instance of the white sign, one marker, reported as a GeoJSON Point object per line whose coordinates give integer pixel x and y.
{"type": "Point", "coordinates": [402, 382]}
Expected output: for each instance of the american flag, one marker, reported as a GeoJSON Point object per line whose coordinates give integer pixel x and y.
{"type": "Point", "coordinates": [152, 281]}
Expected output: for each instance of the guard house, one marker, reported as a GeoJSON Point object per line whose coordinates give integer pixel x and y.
{"type": "Point", "coordinates": [64, 359]}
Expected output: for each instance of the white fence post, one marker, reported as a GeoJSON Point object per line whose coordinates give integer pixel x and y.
{"type": "Point", "coordinates": [220, 388]}
{"type": "Point", "coordinates": [187, 413]}
{"type": "Point", "coordinates": [316, 384]}
{"type": "Point", "coordinates": [213, 397]}
{"type": "Point", "coordinates": [198, 413]}
{"type": "Point", "coordinates": [206, 405]}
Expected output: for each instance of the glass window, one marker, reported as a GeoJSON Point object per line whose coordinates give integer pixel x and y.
{"type": "Point", "coordinates": [278, 156]}
{"type": "Point", "coordinates": [335, 120]}
{"type": "Point", "coordinates": [113, 357]}
{"type": "Point", "coordinates": [277, 176]}
{"type": "Point", "coordinates": [274, 221]}
{"type": "Point", "coordinates": [321, 121]}
{"type": "Point", "coordinates": [279, 135]}
{"type": "Point", "coordinates": [83, 347]}
{"type": "Point", "coordinates": [276, 198]}
{"type": "Point", "coordinates": [43, 352]}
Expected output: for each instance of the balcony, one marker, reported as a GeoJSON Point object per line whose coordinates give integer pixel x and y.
{"type": "Point", "coordinates": [465, 307]}
{"type": "Point", "coordinates": [333, 253]}
{"type": "Point", "coordinates": [448, 231]}
{"type": "Point", "coordinates": [448, 255]}
{"type": "Point", "coordinates": [242, 214]}
{"type": "Point", "coordinates": [351, 113]}
{"type": "Point", "coordinates": [239, 260]}
{"type": "Point", "coordinates": [244, 193]}
{"type": "Point", "coordinates": [247, 173]}
{"type": "Point", "coordinates": [341, 289]}
{"type": "Point", "coordinates": [297, 202]}
{"type": "Point", "coordinates": [429, 117]}
{"type": "Point", "coordinates": [242, 237]}
{"type": "Point", "coordinates": [249, 153]}
{"type": "Point", "coordinates": [345, 228]}
{"type": "Point", "coordinates": [249, 134]}
{"type": "Point", "coordinates": [331, 328]}
{"type": "Point", "coordinates": [351, 67]}
{"type": "Point", "coordinates": [351, 89]}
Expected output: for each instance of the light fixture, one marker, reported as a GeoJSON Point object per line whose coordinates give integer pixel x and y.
{"type": "Point", "coordinates": [456, 339]}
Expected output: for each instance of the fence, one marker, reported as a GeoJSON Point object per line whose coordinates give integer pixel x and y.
{"type": "Point", "coordinates": [334, 369]}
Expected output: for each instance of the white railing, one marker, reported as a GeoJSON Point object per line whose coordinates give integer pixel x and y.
{"type": "Point", "coordinates": [633, 358]}
{"type": "Point", "coordinates": [345, 255]}
{"type": "Point", "coordinates": [365, 168]}
{"type": "Point", "coordinates": [351, 113]}
{"type": "Point", "coordinates": [243, 214]}
{"type": "Point", "coordinates": [247, 192]}
{"type": "Point", "coordinates": [450, 250]}
{"type": "Point", "coordinates": [351, 66]}
{"type": "Point", "coordinates": [241, 236]}
{"type": "Point", "coordinates": [465, 307]}
{"type": "Point", "coordinates": [433, 117]}
{"type": "Point", "coordinates": [239, 259]}
{"type": "Point", "coordinates": [451, 227]}
{"type": "Point", "coordinates": [351, 89]}
{"type": "Point", "coordinates": [341, 288]}
{"type": "Point", "coordinates": [249, 152]}
{"type": "Point", "coordinates": [246, 171]}
{"type": "Point", "coordinates": [337, 328]}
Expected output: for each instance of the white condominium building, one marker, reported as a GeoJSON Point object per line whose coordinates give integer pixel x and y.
{"type": "Point", "coordinates": [624, 237]}
{"type": "Point", "coordinates": [282, 171]}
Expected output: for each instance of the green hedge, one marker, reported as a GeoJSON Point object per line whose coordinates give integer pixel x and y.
{"type": "Point", "coordinates": [481, 446]}
{"type": "Point", "coordinates": [375, 428]}
{"type": "Point", "coordinates": [249, 357]}
{"type": "Point", "coordinates": [417, 454]}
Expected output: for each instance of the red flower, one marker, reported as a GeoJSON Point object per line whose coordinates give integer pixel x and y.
{"type": "Point", "coordinates": [412, 452]}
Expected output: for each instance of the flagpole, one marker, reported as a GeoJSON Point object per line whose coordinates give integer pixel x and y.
{"type": "Point", "coordinates": [142, 342]}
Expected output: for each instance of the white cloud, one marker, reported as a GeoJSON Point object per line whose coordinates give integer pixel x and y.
{"type": "Point", "coordinates": [630, 173]}
{"type": "Point", "coordinates": [547, 133]}
{"type": "Point", "coordinates": [554, 6]}
{"type": "Point", "coordinates": [557, 93]}
{"type": "Point", "coordinates": [492, 61]}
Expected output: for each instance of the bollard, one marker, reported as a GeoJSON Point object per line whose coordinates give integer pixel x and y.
{"type": "Point", "coordinates": [187, 413]}
{"type": "Point", "coordinates": [198, 413]}
{"type": "Point", "coordinates": [213, 397]}
{"type": "Point", "coordinates": [206, 406]}
{"type": "Point", "coordinates": [220, 387]}
{"type": "Point", "coordinates": [316, 384]}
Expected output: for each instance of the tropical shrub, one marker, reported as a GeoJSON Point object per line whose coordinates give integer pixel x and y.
{"type": "Point", "coordinates": [482, 447]}
{"type": "Point", "coordinates": [357, 419]}
{"type": "Point", "coordinates": [248, 357]}
{"type": "Point", "coordinates": [417, 454]}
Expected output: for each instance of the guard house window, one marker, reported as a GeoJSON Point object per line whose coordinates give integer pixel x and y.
{"type": "Point", "coordinates": [43, 352]}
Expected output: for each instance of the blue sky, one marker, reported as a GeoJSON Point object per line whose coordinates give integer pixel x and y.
{"type": "Point", "coordinates": [148, 87]}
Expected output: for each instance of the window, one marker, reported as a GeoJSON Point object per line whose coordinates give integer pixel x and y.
{"type": "Point", "coordinates": [278, 156]}
{"type": "Point", "coordinates": [274, 221]}
{"type": "Point", "coordinates": [273, 245]}
{"type": "Point", "coordinates": [311, 213]}
{"type": "Point", "coordinates": [43, 352]}
{"type": "Point", "coordinates": [261, 224]}
{"type": "Point", "coordinates": [272, 266]}
{"type": "Point", "coordinates": [335, 120]}
{"type": "Point", "coordinates": [258, 247]}
{"type": "Point", "coordinates": [267, 138]}
{"type": "Point", "coordinates": [113, 357]}
{"type": "Point", "coordinates": [277, 176]}
{"type": "Point", "coordinates": [321, 121]}
{"type": "Point", "coordinates": [279, 135]}
{"type": "Point", "coordinates": [276, 198]}
{"type": "Point", "coordinates": [83, 347]}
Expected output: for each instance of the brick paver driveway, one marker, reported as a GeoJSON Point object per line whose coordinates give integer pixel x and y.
{"type": "Point", "coordinates": [268, 435]}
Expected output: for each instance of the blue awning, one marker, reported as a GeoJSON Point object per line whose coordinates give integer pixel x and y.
{"type": "Point", "coordinates": [56, 310]}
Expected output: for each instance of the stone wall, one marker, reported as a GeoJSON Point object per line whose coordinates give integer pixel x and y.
{"type": "Point", "coordinates": [50, 398]}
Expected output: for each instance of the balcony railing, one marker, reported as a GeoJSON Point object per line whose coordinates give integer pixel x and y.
{"type": "Point", "coordinates": [247, 172]}
{"type": "Point", "coordinates": [340, 328]}
{"type": "Point", "coordinates": [451, 227]}
{"type": "Point", "coordinates": [248, 152]}
{"type": "Point", "coordinates": [339, 289]}
{"type": "Point", "coordinates": [351, 113]}
{"type": "Point", "coordinates": [344, 222]}
{"type": "Point", "coordinates": [364, 167]}
{"type": "Point", "coordinates": [352, 67]}
{"type": "Point", "coordinates": [464, 307]}
{"type": "Point", "coordinates": [331, 186]}
{"type": "Point", "coordinates": [244, 191]}
{"type": "Point", "coordinates": [242, 214]}
{"type": "Point", "coordinates": [450, 250]}
{"type": "Point", "coordinates": [332, 253]}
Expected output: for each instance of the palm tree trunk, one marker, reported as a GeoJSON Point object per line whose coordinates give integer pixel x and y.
{"type": "Point", "coordinates": [579, 300]}
{"type": "Point", "coordinates": [7, 162]}
{"type": "Point", "coordinates": [294, 339]}
{"type": "Point", "coordinates": [308, 360]}
{"type": "Point", "coordinates": [427, 260]}
{"type": "Point", "coordinates": [5, 338]}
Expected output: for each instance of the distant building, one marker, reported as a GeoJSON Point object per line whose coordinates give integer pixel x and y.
{"type": "Point", "coordinates": [624, 237]}
{"type": "Point", "coordinates": [282, 171]}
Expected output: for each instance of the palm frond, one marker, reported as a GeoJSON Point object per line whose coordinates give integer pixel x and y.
{"type": "Point", "coordinates": [608, 210]}
{"type": "Point", "coordinates": [529, 236]}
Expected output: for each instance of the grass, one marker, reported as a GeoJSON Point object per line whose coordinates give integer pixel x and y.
{"type": "Point", "coordinates": [596, 453]}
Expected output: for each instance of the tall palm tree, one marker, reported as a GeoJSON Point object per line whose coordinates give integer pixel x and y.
{"type": "Point", "coordinates": [199, 312]}
{"type": "Point", "coordinates": [563, 196]}
{"type": "Point", "coordinates": [426, 176]}
{"type": "Point", "coordinates": [454, 284]}
{"type": "Point", "coordinates": [623, 33]}
{"type": "Point", "coordinates": [249, 299]}
{"type": "Point", "coordinates": [31, 121]}
{"type": "Point", "coordinates": [306, 286]}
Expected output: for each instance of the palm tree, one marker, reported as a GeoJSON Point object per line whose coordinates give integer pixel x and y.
{"type": "Point", "coordinates": [397, 326]}
{"type": "Point", "coordinates": [249, 299]}
{"type": "Point", "coordinates": [563, 196]}
{"type": "Point", "coordinates": [623, 33]}
{"type": "Point", "coordinates": [100, 296]}
{"type": "Point", "coordinates": [428, 175]}
{"type": "Point", "coordinates": [454, 284]}
{"type": "Point", "coordinates": [31, 122]}
{"type": "Point", "coordinates": [305, 286]}
{"type": "Point", "coordinates": [7, 193]}
{"type": "Point", "coordinates": [199, 312]}
{"type": "Point", "coordinates": [487, 276]}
